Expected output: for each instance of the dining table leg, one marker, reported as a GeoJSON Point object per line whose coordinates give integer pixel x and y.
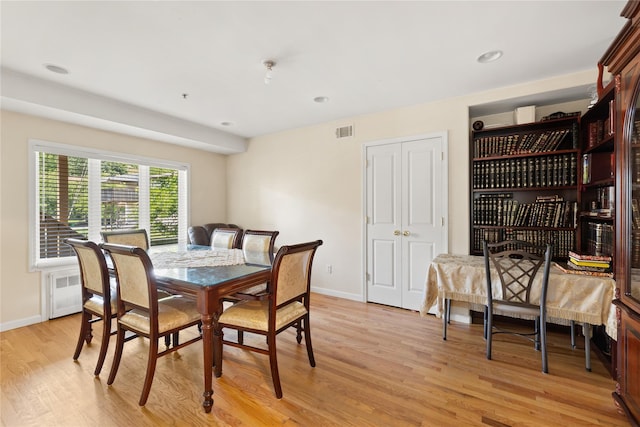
{"type": "Point", "coordinates": [207, 346]}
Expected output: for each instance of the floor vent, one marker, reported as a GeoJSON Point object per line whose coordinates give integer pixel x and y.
{"type": "Point", "coordinates": [344, 132]}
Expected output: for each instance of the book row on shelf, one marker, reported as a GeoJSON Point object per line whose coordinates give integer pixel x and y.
{"type": "Point", "coordinates": [635, 214]}
{"type": "Point", "coordinates": [605, 199]}
{"type": "Point", "coordinates": [525, 143]}
{"type": "Point", "coordinates": [635, 135]}
{"type": "Point", "coordinates": [600, 129]}
{"type": "Point", "coordinates": [635, 158]}
{"type": "Point", "coordinates": [502, 210]}
{"type": "Point", "coordinates": [563, 240]}
{"type": "Point", "coordinates": [544, 171]}
{"type": "Point", "coordinates": [598, 238]}
{"type": "Point", "coordinates": [635, 249]}
{"type": "Point", "coordinates": [597, 167]}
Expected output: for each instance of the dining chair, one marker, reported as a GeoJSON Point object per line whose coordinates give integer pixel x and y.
{"type": "Point", "coordinates": [98, 297]}
{"type": "Point", "coordinates": [139, 238]}
{"type": "Point", "coordinates": [286, 305]}
{"type": "Point", "coordinates": [139, 310]}
{"type": "Point", "coordinates": [259, 245]}
{"type": "Point", "coordinates": [254, 244]}
{"type": "Point", "coordinates": [517, 263]}
{"type": "Point", "coordinates": [136, 237]}
{"type": "Point", "coordinates": [225, 238]}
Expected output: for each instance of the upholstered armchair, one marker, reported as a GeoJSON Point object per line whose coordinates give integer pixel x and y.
{"type": "Point", "coordinates": [201, 234]}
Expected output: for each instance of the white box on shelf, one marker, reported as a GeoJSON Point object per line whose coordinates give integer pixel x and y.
{"type": "Point", "coordinates": [525, 114]}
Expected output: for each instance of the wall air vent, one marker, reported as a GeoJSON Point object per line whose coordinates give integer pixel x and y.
{"type": "Point", "coordinates": [344, 132]}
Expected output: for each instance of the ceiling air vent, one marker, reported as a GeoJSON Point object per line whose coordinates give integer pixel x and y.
{"type": "Point", "coordinates": [344, 132]}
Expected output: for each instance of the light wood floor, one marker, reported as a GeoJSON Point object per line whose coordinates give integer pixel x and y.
{"type": "Point", "coordinates": [376, 366]}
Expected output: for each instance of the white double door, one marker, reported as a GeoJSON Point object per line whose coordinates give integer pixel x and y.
{"type": "Point", "coordinates": [406, 217]}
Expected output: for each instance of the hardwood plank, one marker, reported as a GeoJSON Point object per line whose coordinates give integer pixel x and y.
{"type": "Point", "coordinates": [376, 366]}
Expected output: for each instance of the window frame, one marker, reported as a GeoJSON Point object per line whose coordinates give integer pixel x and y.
{"type": "Point", "coordinates": [37, 145]}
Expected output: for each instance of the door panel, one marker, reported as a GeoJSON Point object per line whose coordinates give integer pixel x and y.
{"type": "Point", "coordinates": [417, 184]}
{"type": "Point", "coordinates": [383, 207]}
{"type": "Point", "coordinates": [406, 205]}
{"type": "Point", "coordinates": [385, 285]}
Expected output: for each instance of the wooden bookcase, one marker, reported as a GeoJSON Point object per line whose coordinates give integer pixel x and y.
{"type": "Point", "coordinates": [596, 231]}
{"type": "Point", "coordinates": [596, 218]}
{"type": "Point", "coordinates": [524, 184]}
{"type": "Point", "coordinates": [622, 59]}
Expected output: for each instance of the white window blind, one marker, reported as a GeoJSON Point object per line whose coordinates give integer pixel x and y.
{"type": "Point", "coordinates": [63, 202]}
{"type": "Point", "coordinates": [80, 194]}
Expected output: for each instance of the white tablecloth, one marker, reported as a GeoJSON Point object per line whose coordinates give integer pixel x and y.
{"type": "Point", "coordinates": [197, 258]}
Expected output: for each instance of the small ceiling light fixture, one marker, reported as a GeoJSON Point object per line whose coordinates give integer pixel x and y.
{"type": "Point", "coordinates": [321, 99]}
{"type": "Point", "coordinates": [226, 123]}
{"type": "Point", "coordinates": [56, 69]}
{"type": "Point", "coordinates": [490, 56]}
{"type": "Point", "coordinates": [269, 64]}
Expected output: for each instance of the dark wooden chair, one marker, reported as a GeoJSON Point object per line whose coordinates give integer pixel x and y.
{"type": "Point", "coordinates": [139, 238]}
{"type": "Point", "coordinates": [517, 263]}
{"type": "Point", "coordinates": [98, 297]}
{"type": "Point", "coordinates": [140, 311]}
{"type": "Point", "coordinates": [225, 238]}
{"type": "Point", "coordinates": [287, 305]}
{"type": "Point", "coordinates": [136, 237]}
{"type": "Point", "coordinates": [258, 245]}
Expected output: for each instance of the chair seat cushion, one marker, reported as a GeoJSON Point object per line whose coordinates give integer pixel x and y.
{"type": "Point", "coordinates": [515, 308]}
{"type": "Point", "coordinates": [255, 315]}
{"type": "Point", "coordinates": [172, 313]}
{"type": "Point", "coordinates": [95, 304]}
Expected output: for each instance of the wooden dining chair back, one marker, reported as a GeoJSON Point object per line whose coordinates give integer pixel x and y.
{"type": "Point", "coordinates": [98, 297]}
{"type": "Point", "coordinates": [287, 305]}
{"type": "Point", "coordinates": [258, 247]}
{"type": "Point", "coordinates": [259, 241]}
{"type": "Point", "coordinates": [140, 311]}
{"type": "Point", "coordinates": [137, 237]}
{"type": "Point", "coordinates": [225, 238]}
{"type": "Point", "coordinates": [517, 263]}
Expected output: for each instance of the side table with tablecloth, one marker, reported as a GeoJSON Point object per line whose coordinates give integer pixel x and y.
{"type": "Point", "coordinates": [571, 297]}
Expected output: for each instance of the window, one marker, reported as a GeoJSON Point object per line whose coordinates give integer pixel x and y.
{"type": "Point", "coordinates": [80, 193]}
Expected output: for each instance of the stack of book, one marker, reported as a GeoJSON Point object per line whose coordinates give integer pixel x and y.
{"type": "Point", "coordinates": [588, 265]}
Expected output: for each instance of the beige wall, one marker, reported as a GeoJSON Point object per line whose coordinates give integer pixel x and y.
{"type": "Point", "coordinates": [20, 297]}
{"type": "Point", "coordinates": [303, 182]}
{"type": "Point", "coordinates": [307, 184]}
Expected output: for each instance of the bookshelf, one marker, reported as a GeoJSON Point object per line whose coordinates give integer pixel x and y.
{"type": "Point", "coordinates": [622, 60]}
{"type": "Point", "coordinates": [596, 218]}
{"type": "Point", "coordinates": [524, 181]}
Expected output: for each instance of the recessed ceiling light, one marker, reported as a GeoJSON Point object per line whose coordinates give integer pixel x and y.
{"type": "Point", "coordinates": [226, 123]}
{"type": "Point", "coordinates": [321, 99]}
{"type": "Point", "coordinates": [490, 56]}
{"type": "Point", "coordinates": [56, 69]}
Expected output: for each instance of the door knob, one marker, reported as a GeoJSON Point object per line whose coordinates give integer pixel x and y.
{"type": "Point", "coordinates": [396, 232]}
{"type": "Point", "coordinates": [405, 233]}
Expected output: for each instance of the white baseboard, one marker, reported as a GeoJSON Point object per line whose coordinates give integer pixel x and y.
{"type": "Point", "coordinates": [338, 294]}
{"type": "Point", "coordinates": [14, 324]}
{"type": "Point", "coordinates": [459, 312]}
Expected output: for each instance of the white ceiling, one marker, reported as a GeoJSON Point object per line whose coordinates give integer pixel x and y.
{"type": "Point", "coordinates": [365, 56]}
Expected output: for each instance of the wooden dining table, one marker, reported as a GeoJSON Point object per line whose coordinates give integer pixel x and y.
{"type": "Point", "coordinates": [208, 274]}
